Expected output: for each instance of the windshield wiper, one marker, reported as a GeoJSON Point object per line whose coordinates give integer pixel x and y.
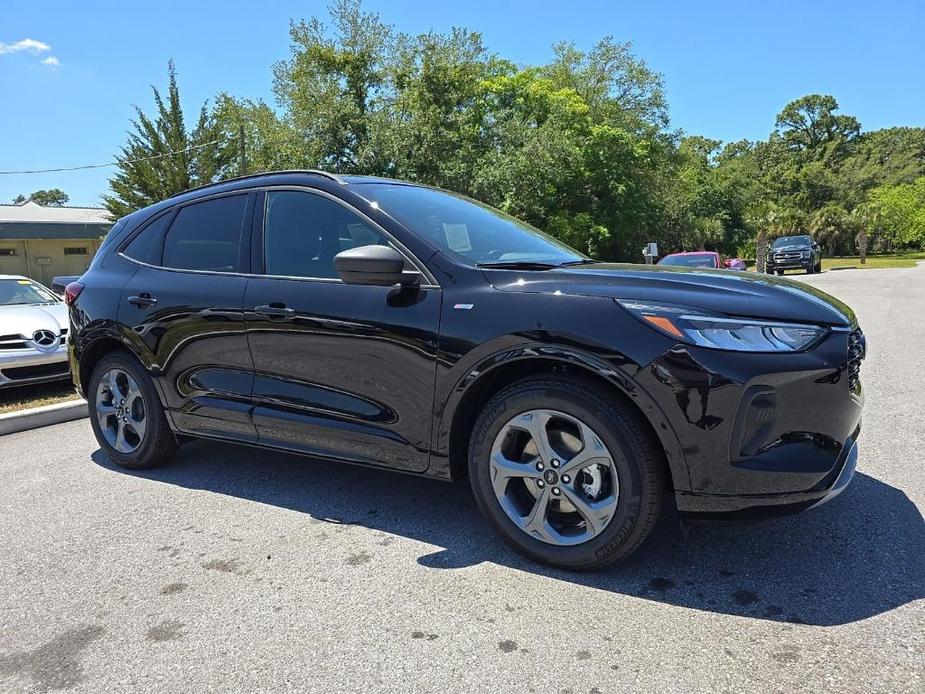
{"type": "Point", "coordinates": [581, 261]}
{"type": "Point", "coordinates": [519, 265]}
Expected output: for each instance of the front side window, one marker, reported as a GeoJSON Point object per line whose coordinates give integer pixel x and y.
{"type": "Point", "coordinates": [14, 292]}
{"type": "Point", "coordinates": [477, 232]}
{"type": "Point", "coordinates": [207, 235]}
{"type": "Point", "coordinates": [303, 232]}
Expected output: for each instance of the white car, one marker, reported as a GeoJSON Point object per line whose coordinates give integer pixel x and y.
{"type": "Point", "coordinates": [33, 333]}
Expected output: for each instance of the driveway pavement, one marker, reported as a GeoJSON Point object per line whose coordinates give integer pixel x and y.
{"type": "Point", "coordinates": [237, 569]}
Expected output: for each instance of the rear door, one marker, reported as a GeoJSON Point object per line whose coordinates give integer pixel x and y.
{"type": "Point", "coordinates": [344, 371]}
{"type": "Point", "coordinates": [185, 308]}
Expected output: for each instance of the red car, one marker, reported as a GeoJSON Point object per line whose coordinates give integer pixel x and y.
{"type": "Point", "coordinates": [708, 259]}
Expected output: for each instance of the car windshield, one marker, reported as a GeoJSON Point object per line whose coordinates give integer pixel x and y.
{"type": "Point", "coordinates": [693, 260]}
{"type": "Point", "coordinates": [792, 241]}
{"type": "Point", "coordinates": [478, 233]}
{"type": "Point", "coordinates": [14, 292]}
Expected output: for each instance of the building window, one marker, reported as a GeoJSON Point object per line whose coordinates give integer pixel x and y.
{"type": "Point", "coordinates": [7, 251]}
{"type": "Point", "coordinates": [75, 250]}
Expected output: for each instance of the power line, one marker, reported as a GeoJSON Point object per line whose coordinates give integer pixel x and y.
{"type": "Point", "coordinates": [111, 163]}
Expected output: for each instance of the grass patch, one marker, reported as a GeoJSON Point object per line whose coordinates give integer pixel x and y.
{"type": "Point", "coordinates": [17, 398]}
{"type": "Point", "coordinates": [874, 261]}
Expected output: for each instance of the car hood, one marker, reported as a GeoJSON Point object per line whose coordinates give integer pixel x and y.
{"type": "Point", "coordinates": [791, 247]}
{"type": "Point", "coordinates": [25, 319]}
{"type": "Point", "coordinates": [732, 292]}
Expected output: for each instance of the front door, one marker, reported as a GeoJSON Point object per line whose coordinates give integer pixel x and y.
{"type": "Point", "coordinates": [343, 371]}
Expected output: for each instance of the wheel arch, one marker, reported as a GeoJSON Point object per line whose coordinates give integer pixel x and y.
{"type": "Point", "coordinates": [492, 374]}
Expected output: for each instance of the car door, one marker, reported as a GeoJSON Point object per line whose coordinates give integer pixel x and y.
{"type": "Point", "coordinates": [184, 311]}
{"type": "Point", "coordinates": [342, 370]}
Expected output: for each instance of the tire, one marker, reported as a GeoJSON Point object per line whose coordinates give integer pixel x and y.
{"type": "Point", "coordinates": [810, 270]}
{"type": "Point", "coordinates": [780, 272]}
{"type": "Point", "coordinates": [143, 413]}
{"type": "Point", "coordinates": [632, 503]}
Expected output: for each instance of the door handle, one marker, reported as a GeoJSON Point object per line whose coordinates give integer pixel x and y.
{"type": "Point", "coordinates": [275, 310]}
{"type": "Point", "coordinates": [143, 300]}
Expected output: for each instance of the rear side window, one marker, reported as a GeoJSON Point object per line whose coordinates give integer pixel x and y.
{"type": "Point", "coordinates": [146, 246]}
{"type": "Point", "coordinates": [207, 235]}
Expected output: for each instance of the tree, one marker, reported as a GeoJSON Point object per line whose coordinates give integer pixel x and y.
{"type": "Point", "coordinates": [901, 212]}
{"type": "Point", "coordinates": [810, 124]}
{"type": "Point", "coordinates": [52, 197]}
{"type": "Point", "coordinates": [162, 157]}
{"type": "Point", "coordinates": [335, 83]}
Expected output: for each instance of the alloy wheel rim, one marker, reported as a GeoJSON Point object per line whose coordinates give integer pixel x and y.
{"type": "Point", "coordinates": [121, 411]}
{"type": "Point", "coordinates": [554, 477]}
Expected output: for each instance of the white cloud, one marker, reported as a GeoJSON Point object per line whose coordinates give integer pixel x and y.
{"type": "Point", "coordinates": [29, 45]}
{"type": "Point", "coordinates": [51, 60]}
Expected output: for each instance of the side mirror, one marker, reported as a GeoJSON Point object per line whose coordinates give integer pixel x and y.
{"type": "Point", "coordinates": [378, 265]}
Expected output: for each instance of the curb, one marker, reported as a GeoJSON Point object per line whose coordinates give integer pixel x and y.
{"type": "Point", "coordinates": [43, 416]}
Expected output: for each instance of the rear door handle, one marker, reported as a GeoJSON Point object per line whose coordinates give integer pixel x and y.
{"type": "Point", "coordinates": [142, 300]}
{"type": "Point", "coordinates": [275, 310]}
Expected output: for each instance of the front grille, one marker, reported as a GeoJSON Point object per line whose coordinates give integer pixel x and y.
{"type": "Point", "coordinates": [856, 352]}
{"type": "Point", "coordinates": [12, 342]}
{"type": "Point", "coordinates": [21, 341]}
{"type": "Point", "coordinates": [22, 373]}
{"type": "Point", "coordinates": [788, 256]}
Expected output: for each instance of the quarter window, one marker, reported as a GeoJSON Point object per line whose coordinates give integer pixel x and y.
{"type": "Point", "coordinates": [206, 235]}
{"type": "Point", "coordinates": [147, 245]}
{"type": "Point", "coordinates": [303, 232]}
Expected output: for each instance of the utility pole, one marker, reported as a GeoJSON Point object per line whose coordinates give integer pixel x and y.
{"type": "Point", "coordinates": [242, 158]}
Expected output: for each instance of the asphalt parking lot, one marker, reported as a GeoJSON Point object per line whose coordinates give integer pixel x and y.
{"type": "Point", "coordinates": [237, 569]}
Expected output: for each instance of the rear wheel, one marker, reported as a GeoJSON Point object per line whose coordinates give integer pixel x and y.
{"type": "Point", "coordinates": [126, 414]}
{"type": "Point", "coordinates": [566, 473]}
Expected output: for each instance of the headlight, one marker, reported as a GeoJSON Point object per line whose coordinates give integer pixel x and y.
{"type": "Point", "coordinates": [805, 254]}
{"type": "Point", "coordinates": [724, 332]}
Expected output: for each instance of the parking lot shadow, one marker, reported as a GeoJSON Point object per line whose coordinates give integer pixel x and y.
{"type": "Point", "coordinates": [858, 556]}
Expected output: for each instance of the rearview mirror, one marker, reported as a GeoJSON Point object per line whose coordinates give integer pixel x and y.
{"type": "Point", "coordinates": [378, 265]}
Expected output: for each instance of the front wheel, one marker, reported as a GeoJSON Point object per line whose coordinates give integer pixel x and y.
{"type": "Point", "coordinates": [567, 473]}
{"type": "Point", "coordinates": [126, 415]}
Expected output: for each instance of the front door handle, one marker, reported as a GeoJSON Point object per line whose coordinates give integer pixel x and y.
{"type": "Point", "coordinates": [143, 300]}
{"type": "Point", "coordinates": [275, 310]}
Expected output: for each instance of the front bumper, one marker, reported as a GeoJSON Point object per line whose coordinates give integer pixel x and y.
{"type": "Point", "coordinates": [756, 506]}
{"type": "Point", "coordinates": [25, 366]}
{"type": "Point", "coordinates": [762, 434]}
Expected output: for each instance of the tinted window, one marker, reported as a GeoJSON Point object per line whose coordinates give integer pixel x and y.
{"type": "Point", "coordinates": [206, 235]}
{"type": "Point", "coordinates": [468, 228]}
{"type": "Point", "coordinates": [146, 247]}
{"type": "Point", "coordinates": [303, 232]}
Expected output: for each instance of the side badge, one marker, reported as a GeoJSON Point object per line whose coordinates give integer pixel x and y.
{"type": "Point", "coordinates": [463, 307]}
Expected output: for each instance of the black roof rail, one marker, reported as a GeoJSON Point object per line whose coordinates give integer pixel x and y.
{"type": "Point", "coordinates": [318, 172]}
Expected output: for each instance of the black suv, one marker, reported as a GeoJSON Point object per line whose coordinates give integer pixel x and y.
{"type": "Point", "coordinates": [794, 253]}
{"type": "Point", "coordinates": [382, 323]}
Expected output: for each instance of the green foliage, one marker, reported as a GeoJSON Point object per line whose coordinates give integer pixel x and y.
{"type": "Point", "coordinates": [52, 197]}
{"type": "Point", "coordinates": [900, 213]}
{"type": "Point", "coordinates": [162, 157]}
{"type": "Point", "coordinates": [580, 146]}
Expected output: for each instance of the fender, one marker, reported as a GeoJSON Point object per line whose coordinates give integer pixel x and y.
{"type": "Point", "coordinates": [615, 369]}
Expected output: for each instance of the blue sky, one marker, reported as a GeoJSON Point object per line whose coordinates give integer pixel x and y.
{"type": "Point", "coordinates": [729, 67]}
